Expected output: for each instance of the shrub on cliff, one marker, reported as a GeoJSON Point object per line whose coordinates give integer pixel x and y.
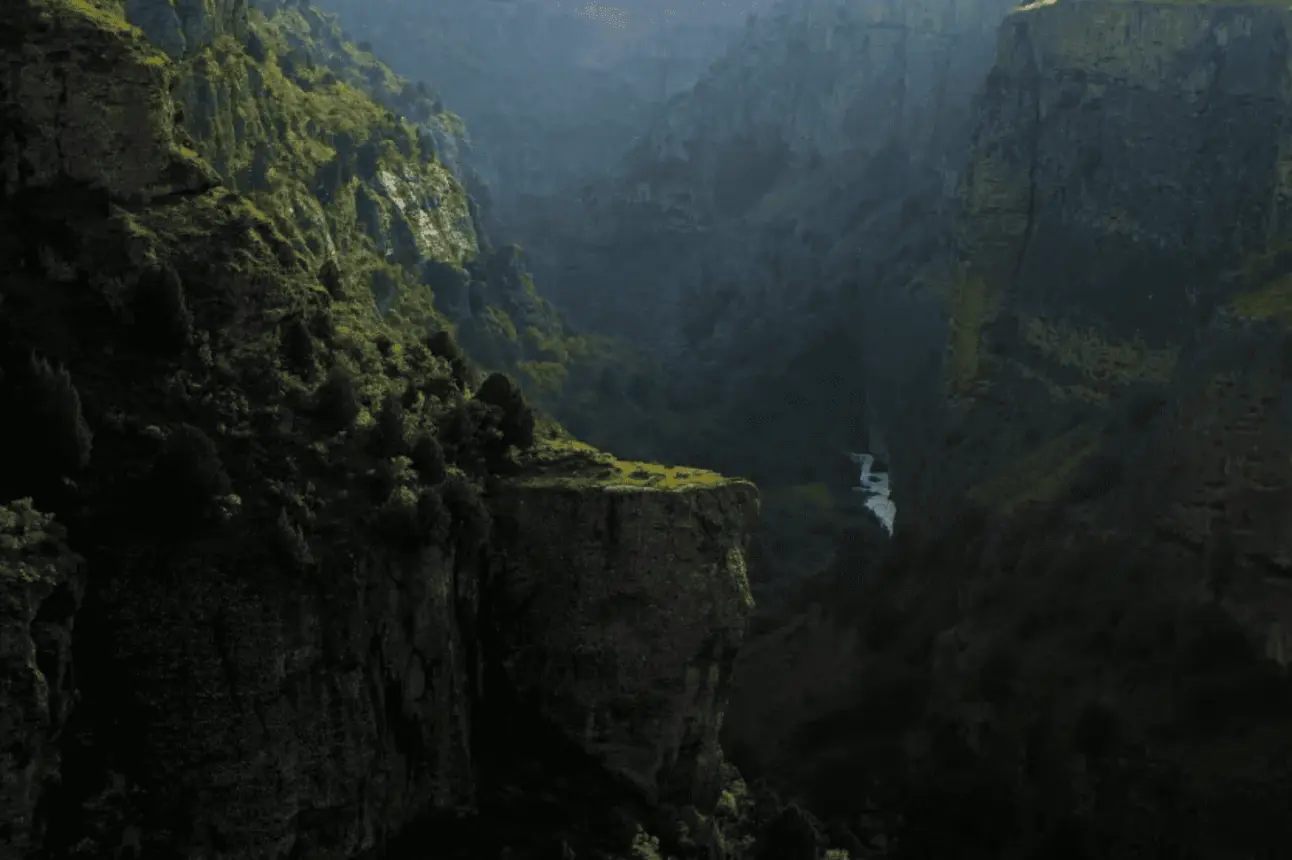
{"type": "Point", "coordinates": [298, 348]}
{"type": "Point", "coordinates": [290, 543]}
{"type": "Point", "coordinates": [56, 416]}
{"type": "Point", "coordinates": [428, 459]}
{"type": "Point", "coordinates": [30, 539]}
{"type": "Point", "coordinates": [329, 276]}
{"type": "Point", "coordinates": [471, 519]}
{"type": "Point", "coordinates": [188, 479]}
{"type": "Point", "coordinates": [163, 322]}
{"type": "Point", "coordinates": [471, 437]}
{"type": "Point", "coordinates": [434, 517]}
{"type": "Point", "coordinates": [336, 404]}
{"type": "Point", "coordinates": [48, 438]}
{"type": "Point", "coordinates": [415, 519]}
{"type": "Point", "coordinates": [517, 425]}
{"type": "Point", "coordinates": [386, 438]}
{"type": "Point", "coordinates": [478, 434]}
{"type": "Point", "coordinates": [442, 345]}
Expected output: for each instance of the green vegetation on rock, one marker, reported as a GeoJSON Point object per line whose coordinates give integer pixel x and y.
{"type": "Point", "coordinates": [971, 309]}
{"type": "Point", "coordinates": [1038, 476]}
{"type": "Point", "coordinates": [1101, 362]}
{"type": "Point", "coordinates": [1271, 302]}
{"type": "Point", "coordinates": [561, 461]}
{"type": "Point", "coordinates": [227, 383]}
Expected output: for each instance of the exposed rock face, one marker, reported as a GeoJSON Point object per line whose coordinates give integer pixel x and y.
{"type": "Point", "coordinates": [774, 240]}
{"type": "Point", "coordinates": [626, 629]}
{"type": "Point", "coordinates": [187, 26]}
{"type": "Point", "coordinates": [822, 77]}
{"type": "Point", "coordinates": [1148, 131]}
{"type": "Point", "coordinates": [1125, 184]}
{"type": "Point", "coordinates": [277, 654]}
{"type": "Point", "coordinates": [39, 590]}
{"type": "Point", "coordinates": [553, 92]}
{"type": "Point", "coordinates": [359, 167]}
{"type": "Point", "coordinates": [106, 134]}
{"type": "Point", "coordinates": [805, 177]}
{"type": "Point", "coordinates": [819, 112]}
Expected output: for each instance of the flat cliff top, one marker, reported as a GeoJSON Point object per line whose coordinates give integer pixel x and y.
{"type": "Point", "coordinates": [559, 460]}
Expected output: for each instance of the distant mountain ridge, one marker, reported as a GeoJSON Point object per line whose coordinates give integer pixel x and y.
{"type": "Point", "coordinates": [552, 90]}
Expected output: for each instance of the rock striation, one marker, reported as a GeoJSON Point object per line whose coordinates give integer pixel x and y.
{"type": "Point", "coordinates": [648, 576]}
{"type": "Point", "coordinates": [1122, 209]}
{"type": "Point", "coordinates": [819, 109]}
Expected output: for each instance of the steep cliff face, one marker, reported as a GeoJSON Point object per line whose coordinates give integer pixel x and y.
{"type": "Point", "coordinates": [275, 485]}
{"type": "Point", "coordinates": [772, 242]}
{"type": "Point", "coordinates": [603, 649]}
{"type": "Point", "coordinates": [39, 592]}
{"type": "Point", "coordinates": [1123, 207]}
{"type": "Point", "coordinates": [280, 106]}
{"type": "Point", "coordinates": [805, 177]}
{"type": "Point", "coordinates": [820, 78]}
{"type": "Point", "coordinates": [362, 168]}
{"type": "Point", "coordinates": [819, 113]}
{"type": "Point", "coordinates": [553, 92]}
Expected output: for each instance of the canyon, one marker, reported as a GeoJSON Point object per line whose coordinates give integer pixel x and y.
{"type": "Point", "coordinates": [310, 546]}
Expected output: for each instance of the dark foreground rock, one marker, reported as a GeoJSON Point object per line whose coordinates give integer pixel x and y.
{"type": "Point", "coordinates": [259, 541]}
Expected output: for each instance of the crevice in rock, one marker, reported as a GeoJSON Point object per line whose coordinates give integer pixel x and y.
{"type": "Point", "coordinates": [1034, 156]}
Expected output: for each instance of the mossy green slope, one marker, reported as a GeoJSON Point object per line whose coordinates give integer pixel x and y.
{"type": "Point", "coordinates": [276, 480]}
{"type": "Point", "coordinates": [558, 460]}
{"type": "Point", "coordinates": [349, 180]}
{"type": "Point", "coordinates": [233, 464]}
{"type": "Point", "coordinates": [359, 167]}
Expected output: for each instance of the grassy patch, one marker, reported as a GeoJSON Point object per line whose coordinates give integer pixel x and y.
{"type": "Point", "coordinates": [1039, 477]}
{"type": "Point", "coordinates": [559, 460]}
{"type": "Point", "coordinates": [105, 13]}
{"type": "Point", "coordinates": [1271, 302]}
{"type": "Point", "coordinates": [1101, 362]}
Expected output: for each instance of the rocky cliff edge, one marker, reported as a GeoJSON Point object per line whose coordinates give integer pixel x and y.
{"type": "Point", "coordinates": [270, 528]}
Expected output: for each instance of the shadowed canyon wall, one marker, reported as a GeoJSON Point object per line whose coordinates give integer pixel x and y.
{"type": "Point", "coordinates": [552, 91]}
{"type": "Point", "coordinates": [268, 543]}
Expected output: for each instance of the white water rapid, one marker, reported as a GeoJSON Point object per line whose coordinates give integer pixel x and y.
{"type": "Point", "coordinates": [875, 487]}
